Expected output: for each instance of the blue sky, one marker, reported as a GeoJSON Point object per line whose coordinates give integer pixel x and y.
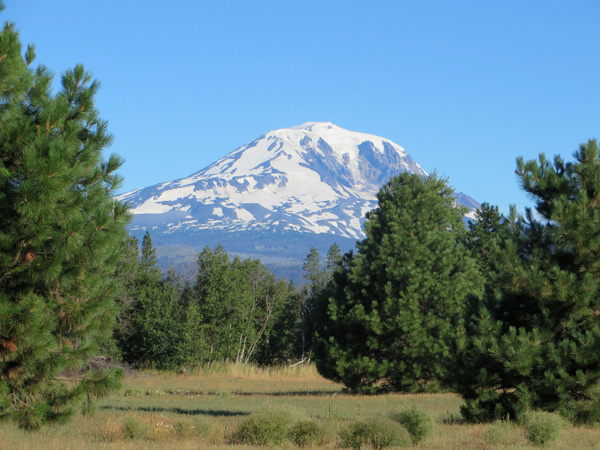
{"type": "Point", "coordinates": [464, 86]}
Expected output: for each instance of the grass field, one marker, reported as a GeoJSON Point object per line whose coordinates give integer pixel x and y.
{"type": "Point", "coordinates": [202, 410]}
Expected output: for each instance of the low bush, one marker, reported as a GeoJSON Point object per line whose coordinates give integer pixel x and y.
{"type": "Point", "coordinates": [133, 392]}
{"type": "Point", "coordinates": [264, 428]}
{"type": "Point", "coordinates": [308, 433]}
{"type": "Point", "coordinates": [543, 427]}
{"type": "Point", "coordinates": [379, 433]}
{"type": "Point", "coordinates": [134, 429]}
{"type": "Point", "coordinates": [183, 430]}
{"type": "Point", "coordinates": [110, 431]}
{"type": "Point", "coordinates": [354, 435]}
{"type": "Point", "coordinates": [418, 423]}
{"type": "Point", "coordinates": [503, 432]}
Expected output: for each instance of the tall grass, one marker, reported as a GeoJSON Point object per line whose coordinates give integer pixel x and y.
{"type": "Point", "coordinates": [254, 372]}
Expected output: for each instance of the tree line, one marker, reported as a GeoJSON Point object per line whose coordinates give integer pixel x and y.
{"type": "Point", "coordinates": [234, 310]}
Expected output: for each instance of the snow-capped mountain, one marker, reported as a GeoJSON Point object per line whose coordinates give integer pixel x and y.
{"type": "Point", "coordinates": [315, 179]}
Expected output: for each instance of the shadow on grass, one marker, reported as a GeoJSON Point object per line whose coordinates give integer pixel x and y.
{"type": "Point", "coordinates": [185, 412]}
{"type": "Point", "coordinates": [255, 393]}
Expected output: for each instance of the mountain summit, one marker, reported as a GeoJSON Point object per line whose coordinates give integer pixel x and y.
{"type": "Point", "coordinates": [315, 180]}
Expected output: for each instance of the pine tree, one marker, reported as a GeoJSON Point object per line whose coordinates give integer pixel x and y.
{"type": "Point", "coordinates": [111, 345]}
{"type": "Point", "coordinates": [394, 310]}
{"type": "Point", "coordinates": [126, 275]}
{"type": "Point", "coordinates": [148, 257]}
{"type": "Point", "coordinates": [487, 238]}
{"type": "Point", "coordinates": [157, 336]}
{"type": "Point", "coordinates": [333, 259]}
{"type": "Point", "coordinates": [537, 345]}
{"type": "Point", "coordinates": [318, 274]}
{"type": "Point", "coordinates": [157, 321]}
{"type": "Point", "coordinates": [313, 274]}
{"type": "Point", "coordinates": [60, 233]}
{"type": "Point", "coordinates": [312, 267]}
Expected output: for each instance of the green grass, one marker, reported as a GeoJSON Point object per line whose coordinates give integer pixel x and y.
{"type": "Point", "coordinates": [204, 409]}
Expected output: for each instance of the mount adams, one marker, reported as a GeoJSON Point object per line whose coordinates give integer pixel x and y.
{"type": "Point", "coordinates": [274, 197]}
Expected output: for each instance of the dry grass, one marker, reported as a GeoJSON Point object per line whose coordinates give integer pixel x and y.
{"type": "Point", "coordinates": [201, 410]}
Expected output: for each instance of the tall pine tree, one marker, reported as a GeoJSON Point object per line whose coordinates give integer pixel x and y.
{"type": "Point", "coordinates": [394, 310]}
{"type": "Point", "coordinates": [537, 344]}
{"type": "Point", "coordinates": [148, 257]}
{"type": "Point", "coordinates": [60, 232]}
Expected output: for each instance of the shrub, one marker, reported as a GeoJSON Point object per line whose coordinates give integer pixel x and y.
{"type": "Point", "coordinates": [380, 433]}
{"type": "Point", "coordinates": [308, 433]}
{"type": "Point", "coordinates": [543, 427]}
{"type": "Point", "coordinates": [183, 429]}
{"type": "Point", "coordinates": [354, 435]}
{"type": "Point", "coordinates": [133, 392]}
{"type": "Point", "coordinates": [264, 428]}
{"type": "Point", "coordinates": [110, 431]}
{"type": "Point", "coordinates": [419, 424]}
{"type": "Point", "coordinates": [503, 432]}
{"type": "Point", "coordinates": [133, 428]}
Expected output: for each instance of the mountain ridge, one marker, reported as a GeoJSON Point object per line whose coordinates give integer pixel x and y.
{"type": "Point", "coordinates": [310, 179]}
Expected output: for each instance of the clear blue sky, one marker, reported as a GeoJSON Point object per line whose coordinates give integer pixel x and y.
{"type": "Point", "coordinates": [464, 86]}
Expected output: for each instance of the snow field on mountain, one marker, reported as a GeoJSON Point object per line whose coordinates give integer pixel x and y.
{"type": "Point", "coordinates": [312, 178]}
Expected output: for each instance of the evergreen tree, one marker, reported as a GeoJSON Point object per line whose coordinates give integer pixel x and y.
{"type": "Point", "coordinates": [148, 256]}
{"type": "Point", "coordinates": [394, 310]}
{"type": "Point", "coordinates": [315, 276]}
{"type": "Point", "coordinates": [537, 345]}
{"type": "Point", "coordinates": [487, 238]}
{"type": "Point", "coordinates": [312, 267]}
{"type": "Point", "coordinates": [318, 274]}
{"type": "Point", "coordinates": [334, 257]}
{"type": "Point", "coordinates": [112, 344]}
{"type": "Point", "coordinates": [60, 234]}
{"type": "Point", "coordinates": [156, 333]}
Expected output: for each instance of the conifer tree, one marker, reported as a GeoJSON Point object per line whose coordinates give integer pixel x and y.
{"type": "Point", "coordinates": [312, 267]}
{"type": "Point", "coordinates": [487, 238]}
{"type": "Point", "coordinates": [394, 310]}
{"type": "Point", "coordinates": [318, 274]}
{"type": "Point", "coordinates": [537, 345]}
{"type": "Point", "coordinates": [148, 256]}
{"type": "Point", "coordinates": [60, 233]}
{"type": "Point", "coordinates": [334, 257]}
{"type": "Point", "coordinates": [126, 276]}
{"type": "Point", "coordinates": [158, 337]}
{"type": "Point", "coordinates": [315, 278]}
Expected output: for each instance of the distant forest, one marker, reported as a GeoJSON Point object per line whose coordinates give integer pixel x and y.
{"type": "Point", "coordinates": [234, 310]}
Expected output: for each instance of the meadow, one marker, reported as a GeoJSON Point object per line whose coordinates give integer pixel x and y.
{"type": "Point", "coordinates": [205, 409]}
